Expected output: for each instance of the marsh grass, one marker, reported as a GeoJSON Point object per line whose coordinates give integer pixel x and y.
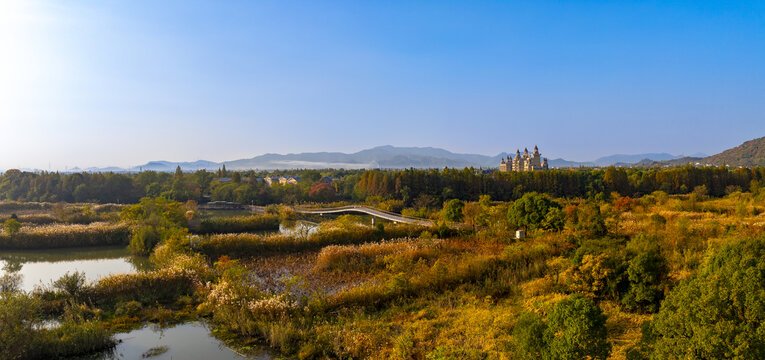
{"type": "Point", "coordinates": [162, 286]}
{"type": "Point", "coordinates": [22, 335]}
{"type": "Point", "coordinates": [17, 206]}
{"type": "Point", "coordinates": [239, 224]}
{"type": "Point", "coordinates": [34, 219]}
{"type": "Point", "coordinates": [498, 276]}
{"type": "Point", "coordinates": [245, 245]}
{"type": "Point", "coordinates": [371, 256]}
{"type": "Point", "coordinates": [64, 236]}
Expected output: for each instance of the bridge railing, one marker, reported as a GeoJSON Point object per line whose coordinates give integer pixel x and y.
{"type": "Point", "coordinates": [353, 207]}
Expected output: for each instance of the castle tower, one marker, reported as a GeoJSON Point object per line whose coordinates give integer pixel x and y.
{"type": "Point", "coordinates": [536, 163]}
{"type": "Point", "coordinates": [524, 162]}
{"type": "Point", "coordinates": [517, 161]}
{"type": "Point", "coordinates": [503, 165]}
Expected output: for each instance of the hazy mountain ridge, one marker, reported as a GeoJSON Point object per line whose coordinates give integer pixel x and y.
{"type": "Point", "coordinates": [380, 157]}
{"type": "Point", "coordinates": [750, 153]}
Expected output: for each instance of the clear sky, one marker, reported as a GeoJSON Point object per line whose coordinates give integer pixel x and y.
{"type": "Point", "coordinates": [97, 83]}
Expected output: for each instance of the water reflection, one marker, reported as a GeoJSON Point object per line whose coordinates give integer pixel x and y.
{"type": "Point", "coordinates": [186, 341]}
{"type": "Point", "coordinates": [298, 228]}
{"type": "Point", "coordinates": [40, 267]}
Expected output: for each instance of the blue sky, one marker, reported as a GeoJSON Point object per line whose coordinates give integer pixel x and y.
{"type": "Point", "coordinates": [97, 83]}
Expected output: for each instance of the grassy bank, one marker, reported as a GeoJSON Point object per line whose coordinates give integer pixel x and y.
{"type": "Point", "coordinates": [246, 245]}
{"type": "Point", "coordinates": [64, 236]}
{"type": "Point", "coordinates": [23, 335]}
{"type": "Point", "coordinates": [238, 224]}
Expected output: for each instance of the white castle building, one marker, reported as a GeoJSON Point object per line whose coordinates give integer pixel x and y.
{"type": "Point", "coordinates": [525, 162]}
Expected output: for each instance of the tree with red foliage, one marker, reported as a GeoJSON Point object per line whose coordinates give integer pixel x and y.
{"type": "Point", "coordinates": [624, 203]}
{"type": "Point", "coordinates": [323, 192]}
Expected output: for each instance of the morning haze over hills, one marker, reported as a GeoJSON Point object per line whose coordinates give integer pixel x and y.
{"type": "Point", "coordinates": [750, 153]}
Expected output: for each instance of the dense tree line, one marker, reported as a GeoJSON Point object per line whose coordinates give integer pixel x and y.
{"type": "Point", "coordinates": [358, 185]}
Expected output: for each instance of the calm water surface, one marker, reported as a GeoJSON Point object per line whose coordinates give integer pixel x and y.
{"type": "Point", "coordinates": [187, 341]}
{"type": "Point", "coordinates": [41, 267]}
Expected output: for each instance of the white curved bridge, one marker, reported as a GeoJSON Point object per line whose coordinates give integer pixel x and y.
{"type": "Point", "coordinates": [358, 209]}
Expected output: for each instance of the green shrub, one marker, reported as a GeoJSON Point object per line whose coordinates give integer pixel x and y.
{"type": "Point", "coordinates": [531, 337]}
{"type": "Point", "coordinates": [72, 284]}
{"type": "Point", "coordinates": [645, 274]}
{"type": "Point", "coordinates": [453, 210]}
{"type": "Point", "coordinates": [128, 308]}
{"type": "Point", "coordinates": [144, 239]}
{"type": "Point", "coordinates": [17, 315]}
{"type": "Point", "coordinates": [11, 226]}
{"type": "Point", "coordinates": [574, 329]}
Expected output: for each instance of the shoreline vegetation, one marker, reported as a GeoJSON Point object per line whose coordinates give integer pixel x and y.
{"type": "Point", "coordinates": [65, 236]}
{"type": "Point", "coordinates": [608, 275]}
{"type": "Point", "coordinates": [238, 224]}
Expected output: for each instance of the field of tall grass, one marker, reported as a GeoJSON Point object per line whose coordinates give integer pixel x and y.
{"type": "Point", "coordinates": [238, 224]}
{"type": "Point", "coordinates": [162, 286]}
{"type": "Point", "coordinates": [66, 235]}
{"type": "Point", "coordinates": [7, 207]}
{"type": "Point", "coordinates": [337, 258]}
{"type": "Point", "coordinates": [33, 219]}
{"type": "Point", "coordinates": [247, 245]}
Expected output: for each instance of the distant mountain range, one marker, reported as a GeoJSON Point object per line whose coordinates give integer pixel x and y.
{"type": "Point", "coordinates": [379, 157]}
{"type": "Point", "coordinates": [750, 153]}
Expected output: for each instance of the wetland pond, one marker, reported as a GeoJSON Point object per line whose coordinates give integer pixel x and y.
{"type": "Point", "coordinates": [41, 267]}
{"type": "Point", "coordinates": [191, 340]}
{"type": "Point", "coordinates": [186, 341]}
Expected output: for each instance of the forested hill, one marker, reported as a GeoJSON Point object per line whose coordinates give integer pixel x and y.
{"type": "Point", "coordinates": [750, 153]}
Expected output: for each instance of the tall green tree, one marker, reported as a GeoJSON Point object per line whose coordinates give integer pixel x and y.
{"type": "Point", "coordinates": [531, 210]}
{"type": "Point", "coordinates": [720, 313]}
